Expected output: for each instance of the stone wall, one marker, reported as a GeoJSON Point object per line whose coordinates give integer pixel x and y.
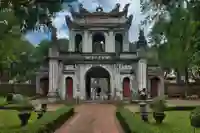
{"type": "Point", "coordinates": [24, 89]}
{"type": "Point", "coordinates": [175, 90]}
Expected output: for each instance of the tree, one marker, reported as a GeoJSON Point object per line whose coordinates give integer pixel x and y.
{"type": "Point", "coordinates": [33, 13]}
{"type": "Point", "coordinates": [175, 33]}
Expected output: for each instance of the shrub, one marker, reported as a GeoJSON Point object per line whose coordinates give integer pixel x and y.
{"type": "Point", "coordinates": [47, 124]}
{"type": "Point", "coordinates": [180, 108]}
{"type": "Point", "coordinates": [130, 123]}
{"type": "Point", "coordinates": [158, 104]}
{"type": "Point", "coordinates": [195, 117]}
{"type": "Point", "coordinates": [9, 97]}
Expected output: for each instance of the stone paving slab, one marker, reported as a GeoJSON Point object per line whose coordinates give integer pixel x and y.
{"type": "Point", "coordinates": [92, 118]}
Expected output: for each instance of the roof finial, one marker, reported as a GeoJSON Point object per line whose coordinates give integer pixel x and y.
{"type": "Point", "coordinates": [99, 8]}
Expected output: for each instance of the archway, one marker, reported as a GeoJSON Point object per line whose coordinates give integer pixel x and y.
{"type": "Point", "coordinates": [44, 85]}
{"type": "Point", "coordinates": [69, 87]}
{"type": "Point", "coordinates": [126, 87]}
{"type": "Point", "coordinates": [154, 86]}
{"type": "Point", "coordinates": [97, 77]}
{"type": "Point", "coordinates": [78, 43]}
{"type": "Point", "coordinates": [98, 42]}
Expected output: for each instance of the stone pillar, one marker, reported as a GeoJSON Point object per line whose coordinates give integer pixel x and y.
{"type": "Point", "coordinates": [89, 45]}
{"type": "Point", "coordinates": [38, 84]}
{"type": "Point", "coordinates": [60, 79]}
{"type": "Point", "coordinates": [149, 87]}
{"type": "Point", "coordinates": [142, 74]}
{"type": "Point", "coordinates": [161, 88]}
{"type": "Point", "coordinates": [85, 41]}
{"type": "Point", "coordinates": [125, 42]}
{"type": "Point", "coordinates": [71, 41]}
{"type": "Point", "coordinates": [82, 83]}
{"type": "Point", "coordinates": [53, 70]}
{"type": "Point", "coordinates": [110, 42]}
{"type": "Point", "coordinates": [53, 77]}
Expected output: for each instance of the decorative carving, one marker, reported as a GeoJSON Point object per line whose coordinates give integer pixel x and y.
{"type": "Point", "coordinates": [142, 42]}
{"type": "Point", "coordinates": [72, 11]}
{"type": "Point", "coordinates": [97, 57]}
{"type": "Point", "coordinates": [125, 9]}
{"type": "Point", "coordinates": [130, 19]}
{"type": "Point", "coordinates": [68, 21]}
{"type": "Point", "coordinates": [99, 9]}
{"type": "Point", "coordinates": [116, 8]}
{"type": "Point", "coordinates": [54, 33]}
{"type": "Point", "coordinates": [82, 10]}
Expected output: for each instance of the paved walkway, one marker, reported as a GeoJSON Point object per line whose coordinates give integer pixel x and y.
{"type": "Point", "coordinates": [92, 118]}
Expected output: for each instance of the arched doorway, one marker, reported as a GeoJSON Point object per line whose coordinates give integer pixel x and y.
{"type": "Point", "coordinates": [78, 43]}
{"type": "Point", "coordinates": [69, 87]}
{"type": "Point", "coordinates": [44, 85]}
{"type": "Point", "coordinates": [97, 77]}
{"type": "Point", "coordinates": [126, 87]}
{"type": "Point", "coordinates": [98, 42]}
{"type": "Point", "coordinates": [154, 86]}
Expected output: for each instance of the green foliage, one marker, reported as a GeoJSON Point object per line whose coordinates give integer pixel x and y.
{"type": "Point", "coordinates": [32, 12]}
{"type": "Point", "coordinates": [180, 108]}
{"type": "Point", "coordinates": [10, 119]}
{"type": "Point", "coordinates": [47, 124]}
{"type": "Point", "coordinates": [158, 104]}
{"type": "Point", "coordinates": [195, 117]}
{"type": "Point", "coordinates": [130, 123]}
{"type": "Point", "coordinates": [175, 122]}
{"type": "Point", "coordinates": [178, 22]}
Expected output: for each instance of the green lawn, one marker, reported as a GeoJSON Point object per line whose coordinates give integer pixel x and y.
{"type": "Point", "coordinates": [175, 122]}
{"type": "Point", "coordinates": [9, 119]}
{"type": "Point", "coordinates": [2, 100]}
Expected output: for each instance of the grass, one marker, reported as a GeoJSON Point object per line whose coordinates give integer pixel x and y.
{"type": "Point", "coordinates": [9, 119]}
{"type": "Point", "coordinates": [2, 101]}
{"type": "Point", "coordinates": [175, 122]}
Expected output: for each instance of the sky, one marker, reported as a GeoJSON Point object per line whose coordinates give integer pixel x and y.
{"type": "Point", "coordinates": [62, 29]}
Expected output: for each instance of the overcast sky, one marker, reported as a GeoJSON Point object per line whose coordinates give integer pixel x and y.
{"type": "Point", "coordinates": [62, 30]}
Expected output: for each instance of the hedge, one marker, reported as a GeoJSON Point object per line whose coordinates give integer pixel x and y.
{"type": "Point", "coordinates": [47, 124]}
{"type": "Point", "coordinates": [131, 124]}
{"type": "Point", "coordinates": [19, 107]}
{"type": "Point", "coordinates": [180, 108]}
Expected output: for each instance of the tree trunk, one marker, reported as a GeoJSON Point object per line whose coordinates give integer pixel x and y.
{"type": "Point", "coordinates": [178, 77]}
{"type": "Point", "coordinates": [186, 82]}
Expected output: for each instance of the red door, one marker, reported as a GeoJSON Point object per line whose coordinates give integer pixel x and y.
{"type": "Point", "coordinates": [126, 87]}
{"type": "Point", "coordinates": [154, 87]}
{"type": "Point", "coordinates": [69, 87]}
{"type": "Point", "coordinates": [44, 84]}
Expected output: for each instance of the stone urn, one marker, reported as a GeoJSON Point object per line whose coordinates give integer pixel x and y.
{"type": "Point", "coordinates": [24, 117]}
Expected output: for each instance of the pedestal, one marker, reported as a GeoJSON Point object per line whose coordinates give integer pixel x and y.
{"type": "Point", "coordinates": [52, 97]}
{"type": "Point", "coordinates": [143, 111]}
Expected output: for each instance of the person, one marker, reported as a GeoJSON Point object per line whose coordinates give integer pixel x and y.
{"type": "Point", "coordinates": [98, 91]}
{"type": "Point", "coordinates": [143, 95]}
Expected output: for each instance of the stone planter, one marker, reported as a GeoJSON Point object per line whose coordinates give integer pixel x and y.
{"type": "Point", "coordinates": [24, 117]}
{"type": "Point", "coordinates": [159, 117]}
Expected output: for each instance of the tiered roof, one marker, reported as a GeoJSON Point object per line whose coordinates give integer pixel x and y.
{"type": "Point", "coordinates": [115, 13]}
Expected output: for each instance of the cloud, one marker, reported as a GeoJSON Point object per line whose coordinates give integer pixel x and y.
{"type": "Point", "coordinates": [60, 24]}
{"type": "Point", "coordinates": [36, 37]}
